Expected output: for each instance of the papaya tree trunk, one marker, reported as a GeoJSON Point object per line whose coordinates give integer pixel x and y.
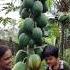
{"type": "Point", "coordinates": [62, 41]}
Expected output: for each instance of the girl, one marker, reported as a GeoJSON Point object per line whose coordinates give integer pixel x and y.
{"type": "Point", "coordinates": [5, 58]}
{"type": "Point", "coordinates": [50, 54]}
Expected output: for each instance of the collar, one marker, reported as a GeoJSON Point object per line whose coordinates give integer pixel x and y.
{"type": "Point", "coordinates": [61, 65]}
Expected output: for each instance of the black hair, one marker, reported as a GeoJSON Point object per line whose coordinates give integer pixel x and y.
{"type": "Point", "coordinates": [3, 49]}
{"type": "Point", "coordinates": [50, 51]}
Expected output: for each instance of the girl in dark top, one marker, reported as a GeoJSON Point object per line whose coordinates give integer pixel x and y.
{"type": "Point", "coordinates": [50, 54]}
{"type": "Point", "coordinates": [5, 58]}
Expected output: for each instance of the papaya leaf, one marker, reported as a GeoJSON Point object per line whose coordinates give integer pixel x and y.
{"type": "Point", "coordinates": [49, 4]}
{"type": "Point", "coordinates": [50, 40]}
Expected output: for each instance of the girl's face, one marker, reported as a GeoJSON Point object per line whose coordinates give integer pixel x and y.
{"type": "Point", "coordinates": [6, 60]}
{"type": "Point", "coordinates": [51, 61]}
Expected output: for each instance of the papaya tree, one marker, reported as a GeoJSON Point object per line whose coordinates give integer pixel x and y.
{"type": "Point", "coordinates": [31, 33]}
{"type": "Point", "coordinates": [64, 20]}
{"type": "Point", "coordinates": [32, 12]}
{"type": "Point", "coordinates": [53, 31]}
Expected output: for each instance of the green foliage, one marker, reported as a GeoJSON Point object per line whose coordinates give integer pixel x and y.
{"type": "Point", "coordinates": [20, 56]}
{"type": "Point", "coordinates": [67, 55]}
{"type": "Point", "coordinates": [21, 23]}
{"type": "Point", "coordinates": [9, 7]}
{"type": "Point", "coordinates": [53, 32]}
{"type": "Point", "coordinates": [49, 4]}
{"type": "Point", "coordinates": [64, 19]}
{"type": "Point", "coordinates": [38, 51]}
{"type": "Point", "coordinates": [53, 29]}
{"type": "Point", "coordinates": [6, 20]}
{"type": "Point", "coordinates": [51, 40]}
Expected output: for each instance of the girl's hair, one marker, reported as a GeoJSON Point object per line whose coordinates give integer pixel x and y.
{"type": "Point", "coordinates": [49, 51]}
{"type": "Point", "coordinates": [3, 49]}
